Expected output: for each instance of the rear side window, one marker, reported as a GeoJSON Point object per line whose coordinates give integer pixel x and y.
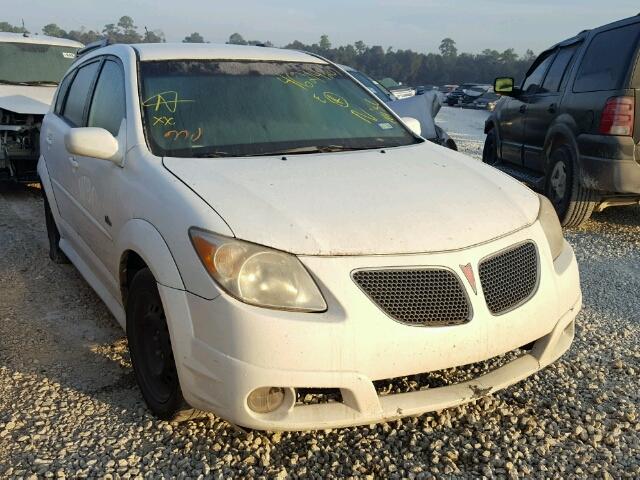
{"type": "Point", "coordinates": [558, 70]}
{"type": "Point", "coordinates": [108, 105]}
{"type": "Point", "coordinates": [533, 82]}
{"type": "Point", "coordinates": [78, 93]}
{"type": "Point", "coordinates": [607, 60]}
{"type": "Point", "coordinates": [62, 91]}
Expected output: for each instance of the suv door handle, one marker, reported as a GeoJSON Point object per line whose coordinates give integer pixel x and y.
{"type": "Point", "coordinates": [552, 108]}
{"type": "Point", "coordinates": [74, 163]}
{"type": "Point", "coordinates": [523, 109]}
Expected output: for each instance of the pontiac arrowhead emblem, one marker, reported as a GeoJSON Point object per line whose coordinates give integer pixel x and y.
{"type": "Point", "coordinates": [468, 274]}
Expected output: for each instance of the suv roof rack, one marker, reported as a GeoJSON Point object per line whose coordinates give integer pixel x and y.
{"type": "Point", "coordinates": [94, 46]}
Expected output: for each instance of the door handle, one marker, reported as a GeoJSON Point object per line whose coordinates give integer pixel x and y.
{"type": "Point", "coordinates": [523, 109]}
{"type": "Point", "coordinates": [552, 108]}
{"type": "Point", "coordinates": [74, 163]}
{"type": "Point", "coordinates": [49, 138]}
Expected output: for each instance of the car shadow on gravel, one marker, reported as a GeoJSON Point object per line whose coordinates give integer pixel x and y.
{"type": "Point", "coordinates": [617, 217]}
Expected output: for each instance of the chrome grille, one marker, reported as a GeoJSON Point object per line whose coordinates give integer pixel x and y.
{"type": "Point", "coordinates": [509, 278]}
{"type": "Point", "coordinates": [426, 296]}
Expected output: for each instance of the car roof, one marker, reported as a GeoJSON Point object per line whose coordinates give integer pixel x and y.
{"type": "Point", "coordinates": [201, 51]}
{"type": "Point", "coordinates": [584, 33]}
{"type": "Point", "coordinates": [7, 37]}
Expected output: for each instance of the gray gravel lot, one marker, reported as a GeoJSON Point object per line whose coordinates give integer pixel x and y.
{"type": "Point", "coordinates": [69, 406]}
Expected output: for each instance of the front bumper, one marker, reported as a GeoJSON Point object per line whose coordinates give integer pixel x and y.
{"type": "Point", "coordinates": [225, 349]}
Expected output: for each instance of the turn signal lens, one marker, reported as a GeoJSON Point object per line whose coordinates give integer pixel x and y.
{"type": "Point", "coordinates": [257, 275]}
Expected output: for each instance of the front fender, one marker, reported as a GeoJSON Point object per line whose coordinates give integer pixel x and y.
{"type": "Point", "coordinates": [143, 238]}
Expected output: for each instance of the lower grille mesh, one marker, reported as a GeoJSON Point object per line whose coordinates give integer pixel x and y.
{"type": "Point", "coordinates": [509, 277]}
{"type": "Point", "coordinates": [417, 296]}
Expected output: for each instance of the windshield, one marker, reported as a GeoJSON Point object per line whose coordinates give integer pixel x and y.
{"type": "Point", "coordinates": [231, 108]}
{"type": "Point", "coordinates": [33, 63]}
{"type": "Point", "coordinates": [375, 88]}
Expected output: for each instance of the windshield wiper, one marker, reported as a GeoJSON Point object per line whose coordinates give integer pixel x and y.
{"type": "Point", "coordinates": [215, 154]}
{"type": "Point", "coordinates": [311, 149]}
{"type": "Point", "coordinates": [30, 83]}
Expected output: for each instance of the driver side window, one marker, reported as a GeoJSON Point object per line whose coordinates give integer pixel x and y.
{"type": "Point", "coordinates": [534, 81]}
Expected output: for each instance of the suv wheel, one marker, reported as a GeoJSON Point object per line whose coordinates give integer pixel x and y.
{"type": "Point", "coordinates": [55, 253]}
{"type": "Point", "coordinates": [151, 352]}
{"type": "Point", "coordinates": [573, 202]}
{"type": "Point", "coordinates": [490, 150]}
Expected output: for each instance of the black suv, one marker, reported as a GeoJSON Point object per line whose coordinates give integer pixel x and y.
{"type": "Point", "coordinates": [571, 130]}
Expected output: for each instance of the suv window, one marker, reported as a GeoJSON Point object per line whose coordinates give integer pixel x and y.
{"type": "Point", "coordinates": [558, 68]}
{"type": "Point", "coordinates": [78, 93]}
{"type": "Point", "coordinates": [108, 105]}
{"type": "Point", "coordinates": [606, 62]}
{"type": "Point", "coordinates": [533, 82]}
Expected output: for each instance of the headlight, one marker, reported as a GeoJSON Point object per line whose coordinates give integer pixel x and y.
{"type": "Point", "coordinates": [551, 225]}
{"type": "Point", "coordinates": [257, 275]}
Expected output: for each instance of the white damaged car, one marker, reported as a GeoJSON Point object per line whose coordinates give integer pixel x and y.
{"type": "Point", "coordinates": [262, 225]}
{"type": "Point", "coordinates": [30, 68]}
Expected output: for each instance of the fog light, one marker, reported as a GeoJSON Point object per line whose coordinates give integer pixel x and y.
{"type": "Point", "coordinates": [266, 399]}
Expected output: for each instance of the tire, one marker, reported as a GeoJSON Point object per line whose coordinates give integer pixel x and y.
{"type": "Point", "coordinates": [490, 150]}
{"type": "Point", "coordinates": [55, 253]}
{"type": "Point", "coordinates": [573, 202]}
{"type": "Point", "coordinates": [151, 353]}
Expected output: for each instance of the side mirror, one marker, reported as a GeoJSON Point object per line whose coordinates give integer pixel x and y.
{"type": "Point", "coordinates": [93, 142]}
{"type": "Point", "coordinates": [413, 124]}
{"type": "Point", "coordinates": [505, 86]}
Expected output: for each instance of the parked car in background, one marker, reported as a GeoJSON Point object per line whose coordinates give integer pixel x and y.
{"type": "Point", "coordinates": [470, 95]}
{"type": "Point", "coordinates": [423, 107]}
{"type": "Point", "coordinates": [454, 97]}
{"type": "Point", "coordinates": [30, 69]}
{"type": "Point", "coordinates": [402, 91]}
{"type": "Point", "coordinates": [486, 101]}
{"type": "Point", "coordinates": [572, 129]}
{"type": "Point", "coordinates": [447, 88]}
{"type": "Point", "coordinates": [259, 223]}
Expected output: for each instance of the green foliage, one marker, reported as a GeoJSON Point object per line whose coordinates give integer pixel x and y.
{"type": "Point", "coordinates": [448, 48]}
{"type": "Point", "coordinates": [236, 39]}
{"type": "Point", "coordinates": [409, 67]}
{"type": "Point", "coordinates": [124, 31]}
{"type": "Point", "coordinates": [195, 37]}
{"type": "Point", "coordinates": [413, 68]}
{"type": "Point", "coordinates": [7, 27]}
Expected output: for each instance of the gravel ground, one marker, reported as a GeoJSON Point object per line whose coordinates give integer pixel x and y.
{"type": "Point", "coordinates": [465, 126]}
{"type": "Point", "coordinates": [69, 406]}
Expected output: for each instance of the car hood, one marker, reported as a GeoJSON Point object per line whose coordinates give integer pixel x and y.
{"type": "Point", "coordinates": [27, 100]}
{"type": "Point", "coordinates": [421, 198]}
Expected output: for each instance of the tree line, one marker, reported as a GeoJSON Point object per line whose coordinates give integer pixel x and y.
{"type": "Point", "coordinates": [447, 66]}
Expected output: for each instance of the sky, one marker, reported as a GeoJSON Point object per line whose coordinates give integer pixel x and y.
{"type": "Point", "coordinates": [419, 25]}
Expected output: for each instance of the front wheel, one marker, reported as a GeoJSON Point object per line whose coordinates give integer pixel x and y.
{"type": "Point", "coordinates": [490, 150]}
{"type": "Point", "coordinates": [151, 351]}
{"type": "Point", "coordinates": [573, 202]}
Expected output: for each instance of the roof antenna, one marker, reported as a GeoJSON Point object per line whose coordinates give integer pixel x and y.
{"type": "Point", "coordinates": [24, 30]}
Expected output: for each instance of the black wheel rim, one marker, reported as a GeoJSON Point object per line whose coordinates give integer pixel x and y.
{"type": "Point", "coordinates": [155, 357]}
